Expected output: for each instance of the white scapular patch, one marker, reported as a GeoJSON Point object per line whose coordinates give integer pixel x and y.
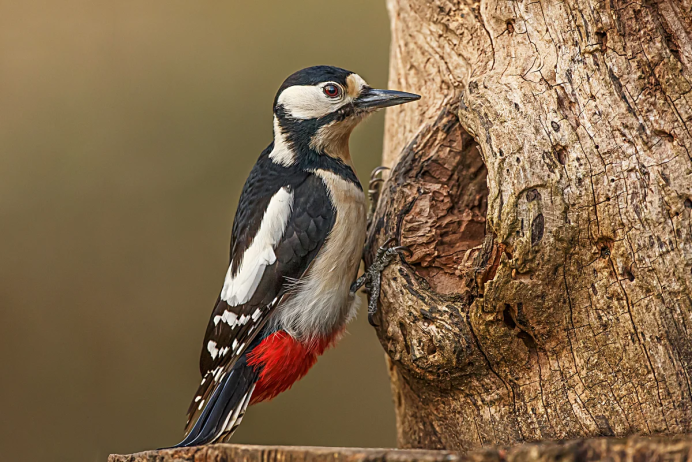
{"type": "Point", "coordinates": [211, 348]}
{"type": "Point", "coordinates": [240, 288]}
{"type": "Point", "coordinates": [321, 301]}
{"type": "Point", "coordinates": [281, 152]}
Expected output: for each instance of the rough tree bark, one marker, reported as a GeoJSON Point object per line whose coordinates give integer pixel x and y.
{"type": "Point", "coordinates": [614, 450]}
{"type": "Point", "coordinates": [544, 185]}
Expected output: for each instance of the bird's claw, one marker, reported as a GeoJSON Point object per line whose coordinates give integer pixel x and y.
{"type": "Point", "coordinates": [372, 277]}
{"type": "Point", "coordinates": [403, 248]}
{"type": "Point", "coordinates": [383, 248]}
{"type": "Point", "coordinates": [377, 171]}
{"type": "Point", "coordinates": [375, 187]}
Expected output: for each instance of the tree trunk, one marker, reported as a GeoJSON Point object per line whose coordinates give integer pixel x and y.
{"type": "Point", "coordinates": [544, 185]}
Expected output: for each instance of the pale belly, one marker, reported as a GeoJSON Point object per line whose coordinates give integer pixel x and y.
{"type": "Point", "coordinates": [321, 303]}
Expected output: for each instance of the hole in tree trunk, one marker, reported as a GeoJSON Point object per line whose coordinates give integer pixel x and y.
{"type": "Point", "coordinates": [445, 227]}
{"type": "Point", "coordinates": [431, 349]}
{"type": "Point", "coordinates": [528, 340]}
{"type": "Point", "coordinates": [522, 335]}
{"type": "Point", "coordinates": [628, 274]}
{"type": "Point", "coordinates": [507, 317]}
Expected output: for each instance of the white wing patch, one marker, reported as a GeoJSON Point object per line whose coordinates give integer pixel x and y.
{"type": "Point", "coordinates": [240, 288]}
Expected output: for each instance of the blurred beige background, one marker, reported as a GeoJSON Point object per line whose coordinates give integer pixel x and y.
{"type": "Point", "coordinates": [126, 131]}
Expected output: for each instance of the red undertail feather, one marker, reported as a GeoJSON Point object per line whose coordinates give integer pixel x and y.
{"type": "Point", "coordinates": [284, 361]}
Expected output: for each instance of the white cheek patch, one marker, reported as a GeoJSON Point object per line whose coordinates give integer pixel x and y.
{"type": "Point", "coordinates": [310, 102]}
{"type": "Point", "coordinates": [240, 288]}
{"type": "Point", "coordinates": [307, 102]}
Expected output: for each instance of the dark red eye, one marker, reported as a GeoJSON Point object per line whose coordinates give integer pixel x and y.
{"type": "Point", "coordinates": [332, 90]}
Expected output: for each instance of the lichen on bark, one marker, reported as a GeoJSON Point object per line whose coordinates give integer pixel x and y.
{"type": "Point", "coordinates": [544, 185]}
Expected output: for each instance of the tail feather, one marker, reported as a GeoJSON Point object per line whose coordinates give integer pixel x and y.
{"type": "Point", "coordinates": [236, 417]}
{"type": "Point", "coordinates": [226, 406]}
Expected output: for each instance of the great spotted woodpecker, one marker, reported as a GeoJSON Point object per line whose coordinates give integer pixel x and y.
{"type": "Point", "coordinates": [296, 246]}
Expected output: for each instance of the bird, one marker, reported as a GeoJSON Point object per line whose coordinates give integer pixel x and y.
{"type": "Point", "coordinates": [296, 245]}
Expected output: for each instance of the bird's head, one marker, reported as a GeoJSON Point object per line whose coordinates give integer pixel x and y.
{"type": "Point", "coordinates": [317, 108]}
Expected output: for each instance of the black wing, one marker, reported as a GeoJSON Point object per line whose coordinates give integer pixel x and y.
{"type": "Point", "coordinates": [232, 328]}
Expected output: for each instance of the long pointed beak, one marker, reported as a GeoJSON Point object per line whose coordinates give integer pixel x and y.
{"type": "Point", "coordinates": [375, 99]}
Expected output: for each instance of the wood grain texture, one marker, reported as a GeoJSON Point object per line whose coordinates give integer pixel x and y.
{"type": "Point", "coordinates": [544, 184]}
{"type": "Point", "coordinates": [612, 449]}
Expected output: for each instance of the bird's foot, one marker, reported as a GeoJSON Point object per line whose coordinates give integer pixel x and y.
{"type": "Point", "coordinates": [375, 188]}
{"type": "Point", "coordinates": [372, 277]}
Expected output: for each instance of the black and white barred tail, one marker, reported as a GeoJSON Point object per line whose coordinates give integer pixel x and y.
{"type": "Point", "coordinates": [226, 407]}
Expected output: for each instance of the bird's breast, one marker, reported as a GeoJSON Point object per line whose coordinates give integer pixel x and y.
{"type": "Point", "coordinates": [321, 303]}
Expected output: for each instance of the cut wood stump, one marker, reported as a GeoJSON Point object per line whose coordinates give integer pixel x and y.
{"type": "Point", "coordinates": [635, 449]}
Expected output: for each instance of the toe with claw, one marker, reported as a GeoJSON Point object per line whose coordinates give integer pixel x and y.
{"type": "Point", "coordinates": [372, 277]}
{"type": "Point", "coordinates": [375, 187]}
